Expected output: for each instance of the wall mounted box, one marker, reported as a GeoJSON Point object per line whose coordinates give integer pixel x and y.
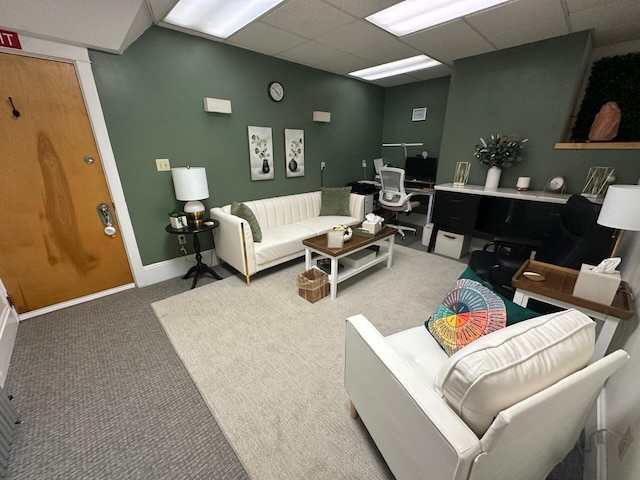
{"type": "Point", "coordinates": [324, 117]}
{"type": "Point", "coordinates": [217, 105]}
{"type": "Point", "coordinates": [595, 286]}
{"type": "Point", "coordinates": [452, 245]}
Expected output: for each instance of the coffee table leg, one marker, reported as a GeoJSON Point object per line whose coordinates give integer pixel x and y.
{"type": "Point", "coordinates": [520, 298]}
{"type": "Point", "coordinates": [391, 243]}
{"type": "Point", "coordinates": [307, 259]}
{"type": "Point", "coordinates": [333, 278]}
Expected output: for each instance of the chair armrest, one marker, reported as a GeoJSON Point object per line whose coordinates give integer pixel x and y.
{"type": "Point", "coordinates": [413, 427]}
{"type": "Point", "coordinates": [517, 241]}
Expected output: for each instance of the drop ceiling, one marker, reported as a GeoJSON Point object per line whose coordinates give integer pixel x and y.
{"type": "Point", "coordinates": [332, 35]}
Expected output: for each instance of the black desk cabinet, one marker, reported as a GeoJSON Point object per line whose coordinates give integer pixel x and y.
{"type": "Point", "coordinates": [487, 216]}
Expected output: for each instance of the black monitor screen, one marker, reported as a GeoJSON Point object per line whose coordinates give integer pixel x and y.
{"type": "Point", "coordinates": [419, 168]}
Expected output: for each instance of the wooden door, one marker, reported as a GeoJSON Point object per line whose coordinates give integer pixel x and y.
{"type": "Point", "coordinates": [8, 331]}
{"type": "Point", "coordinates": [53, 247]}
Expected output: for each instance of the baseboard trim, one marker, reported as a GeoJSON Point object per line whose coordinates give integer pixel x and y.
{"type": "Point", "coordinates": [154, 273]}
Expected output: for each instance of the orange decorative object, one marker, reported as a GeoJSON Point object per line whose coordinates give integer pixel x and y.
{"type": "Point", "coordinates": [605, 126]}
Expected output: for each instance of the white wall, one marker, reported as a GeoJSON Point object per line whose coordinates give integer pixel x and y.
{"type": "Point", "coordinates": [623, 389]}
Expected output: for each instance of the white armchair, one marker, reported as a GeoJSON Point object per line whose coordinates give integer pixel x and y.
{"type": "Point", "coordinates": [432, 416]}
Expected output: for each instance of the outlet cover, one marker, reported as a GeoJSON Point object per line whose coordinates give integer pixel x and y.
{"type": "Point", "coordinates": [163, 165]}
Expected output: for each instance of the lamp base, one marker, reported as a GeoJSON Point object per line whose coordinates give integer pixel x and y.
{"type": "Point", "coordinates": [194, 211]}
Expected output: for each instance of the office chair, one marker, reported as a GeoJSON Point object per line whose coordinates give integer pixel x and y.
{"type": "Point", "coordinates": [577, 239]}
{"type": "Point", "coordinates": [393, 196]}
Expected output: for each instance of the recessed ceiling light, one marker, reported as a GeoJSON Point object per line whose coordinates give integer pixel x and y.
{"type": "Point", "coordinates": [413, 15]}
{"type": "Point", "coordinates": [219, 18]}
{"type": "Point", "coordinates": [411, 64]}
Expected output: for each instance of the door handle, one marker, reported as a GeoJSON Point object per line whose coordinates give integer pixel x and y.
{"type": "Point", "coordinates": [106, 219]}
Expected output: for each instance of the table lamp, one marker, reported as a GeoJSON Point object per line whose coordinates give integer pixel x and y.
{"type": "Point", "coordinates": [190, 184]}
{"type": "Point", "coordinates": [621, 210]}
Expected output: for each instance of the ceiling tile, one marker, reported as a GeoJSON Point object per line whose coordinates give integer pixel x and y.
{"type": "Point", "coordinates": [307, 18]}
{"type": "Point", "coordinates": [310, 53]}
{"type": "Point", "coordinates": [395, 81]}
{"type": "Point", "coordinates": [607, 17]}
{"type": "Point", "coordinates": [577, 5]}
{"type": "Point", "coordinates": [516, 15]}
{"type": "Point", "coordinates": [344, 64]}
{"type": "Point", "coordinates": [354, 37]}
{"type": "Point", "coordinates": [387, 52]}
{"type": "Point", "coordinates": [552, 27]}
{"type": "Point", "coordinates": [619, 34]}
{"type": "Point", "coordinates": [362, 8]}
{"type": "Point", "coordinates": [433, 72]}
{"type": "Point", "coordinates": [449, 42]}
{"type": "Point", "coordinates": [264, 38]}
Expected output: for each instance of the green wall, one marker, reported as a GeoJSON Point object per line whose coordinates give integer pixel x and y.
{"type": "Point", "coordinates": [397, 127]}
{"type": "Point", "coordinates": [152, 98]}
{"type": "Point", "coordinates": [528, 90]}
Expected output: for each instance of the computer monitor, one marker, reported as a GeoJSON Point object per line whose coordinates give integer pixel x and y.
{"type": "Point", "coordinates": [420, 168]}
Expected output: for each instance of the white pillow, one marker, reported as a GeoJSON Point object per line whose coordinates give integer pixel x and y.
{"type": "Point", "coordinates": [506, 366]}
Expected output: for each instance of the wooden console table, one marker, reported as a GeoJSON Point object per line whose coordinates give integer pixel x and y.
{"type": "Point", "coordinates": [557, 289]}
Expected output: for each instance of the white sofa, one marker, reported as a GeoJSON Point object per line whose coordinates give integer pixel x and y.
{"type": "Point", "coordinates": [285, 221]}
{"type": "Point", "coordinates": [508, 406]}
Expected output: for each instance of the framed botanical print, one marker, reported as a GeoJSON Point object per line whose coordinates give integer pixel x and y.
{"type": "Point", "coordinates": [294, 152]}
{"type": "Point", "coordinates": [261, 153]}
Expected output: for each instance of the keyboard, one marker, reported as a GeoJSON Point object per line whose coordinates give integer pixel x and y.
{"type": "Point", "coordinates": [417, 184]}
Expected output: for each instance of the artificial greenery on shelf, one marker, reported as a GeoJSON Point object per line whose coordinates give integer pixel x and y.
{"type": "Point", "coordinates": [500, 151]}
{"type": "Point", "coordinates": [612, 79]}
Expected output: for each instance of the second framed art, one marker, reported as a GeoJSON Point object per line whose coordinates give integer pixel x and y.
{"type": "Point", "coordinates": [294, 152]}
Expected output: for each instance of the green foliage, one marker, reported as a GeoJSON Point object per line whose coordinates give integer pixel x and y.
{"type": "Point", "coordinates": [499, 151]}
{"type": "Point", "coordinates": [612, 79]}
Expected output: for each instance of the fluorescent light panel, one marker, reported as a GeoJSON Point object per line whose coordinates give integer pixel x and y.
{"type": "Point", "coordinates": [411, 64]}
{"type": "Point", "coordinates": [219, 18]}
{"type": "Point", "coordinates": [414, 15]}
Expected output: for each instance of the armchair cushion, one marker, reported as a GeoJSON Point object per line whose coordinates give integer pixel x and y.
{"type": "Point", "coordinates": [509, 365]}
{"type": "Point", "coordinates": [335, 201]}
{"type": "Point", "coordinates": [470, 310]}
{"type": "Point", "coordinates": [243, 211]}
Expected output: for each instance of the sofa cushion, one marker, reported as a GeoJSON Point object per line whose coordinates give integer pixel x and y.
{"type": "Point", "coordinates": [335, 201]}
{"type": "Point", "coordinates": [243, 211]}
{"type": "Point", "coordinates": [281, 242]}
{"type": "Point", "coordinates": [470, 310]}
{"type": "Point", "coordinates": [511, 364]}
{"type": "Point", "coordinates": [324, 224]}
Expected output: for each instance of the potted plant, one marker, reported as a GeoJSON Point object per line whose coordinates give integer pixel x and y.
{"type": "Point", "coordinates": [499, 152]}
{"type": "Point", "coordinates": [178, 219]}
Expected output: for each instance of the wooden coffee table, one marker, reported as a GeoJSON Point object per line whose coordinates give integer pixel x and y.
{"type": "Point", "coordinates": [318, 245]}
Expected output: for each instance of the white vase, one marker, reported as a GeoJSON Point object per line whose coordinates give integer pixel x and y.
{"type": "Point", "coordinates": [493, 178]}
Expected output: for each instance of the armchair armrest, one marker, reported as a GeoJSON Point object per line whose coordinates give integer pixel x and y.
{"type": "Point", "coordinates": [413, 427]}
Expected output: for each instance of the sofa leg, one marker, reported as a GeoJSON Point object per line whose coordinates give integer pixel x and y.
{"type": "Point", "coordinates": [352, 411]}
{"type": "Point", "coordinates": [248, 280]}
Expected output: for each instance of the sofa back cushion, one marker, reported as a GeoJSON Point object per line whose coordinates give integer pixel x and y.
{"type": "Point", "coordinates": [285, 210]}
{"type": "Point", "coordinates": [508, 365]}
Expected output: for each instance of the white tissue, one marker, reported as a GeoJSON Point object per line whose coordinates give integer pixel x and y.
{"type": "Point", "coordinates": [608, 265]}
{"type": "Point", "coordinates": [373, 218]}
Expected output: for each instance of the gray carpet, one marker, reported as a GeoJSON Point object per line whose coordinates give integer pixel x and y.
{"type": "Point", "coordinates": [103, 395]}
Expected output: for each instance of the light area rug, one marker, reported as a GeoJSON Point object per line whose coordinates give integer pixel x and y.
{"type": "Point", "coordinates": [270, 365]}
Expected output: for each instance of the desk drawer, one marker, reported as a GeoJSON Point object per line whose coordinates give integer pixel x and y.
{"type": "Point", "coordinates": [456, 212]}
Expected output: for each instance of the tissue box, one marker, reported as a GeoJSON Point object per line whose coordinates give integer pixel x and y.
{"type": "Point", "coordinates": [595, 286]}
{"type": "Point", "coordinates": [371, 227]}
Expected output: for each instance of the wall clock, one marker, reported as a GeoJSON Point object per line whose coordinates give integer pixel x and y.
{"type": "Point", "coordinates": [276, 91]}
{"type": "Point", "coordinates": [556, 184]}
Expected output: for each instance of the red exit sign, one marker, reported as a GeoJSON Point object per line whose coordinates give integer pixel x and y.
{"type": "Point", "coordinates": [9, 39]}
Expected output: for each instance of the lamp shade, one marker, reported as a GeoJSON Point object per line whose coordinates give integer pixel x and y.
{"type": "Point", "coordinates": [190, 183]}
{"type": "Point", "coordinates": [621, 208]}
